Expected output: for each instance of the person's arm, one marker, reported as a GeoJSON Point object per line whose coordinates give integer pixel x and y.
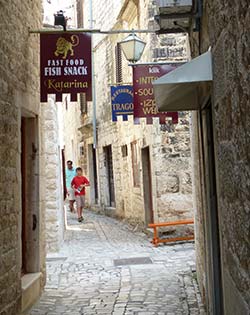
{"type": "Point", "coordinates": [86, 182]}
{"type": "Point", "coordinates": [73, 183]}
{"type": "Point", "coordinates": [66, 179]}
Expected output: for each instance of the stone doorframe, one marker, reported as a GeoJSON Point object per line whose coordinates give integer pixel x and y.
{"type": "Point", "coordinates": [29, 218]}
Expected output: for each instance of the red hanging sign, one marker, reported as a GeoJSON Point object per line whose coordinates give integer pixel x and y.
{"type": "Point", "coordinates": [144, 101]}
{"type": "Point", "coordinates": [65, 65]}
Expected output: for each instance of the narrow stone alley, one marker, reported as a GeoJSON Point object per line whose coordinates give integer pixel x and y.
{"type": "Point", "coordinates": [106, 267]}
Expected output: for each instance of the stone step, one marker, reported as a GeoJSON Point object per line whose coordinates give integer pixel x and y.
{"type": "Point", "coordinates": [31, 290]}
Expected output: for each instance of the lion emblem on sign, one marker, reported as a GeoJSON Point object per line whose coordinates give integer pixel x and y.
{"type": "Point", "coordinates": [63, 46]}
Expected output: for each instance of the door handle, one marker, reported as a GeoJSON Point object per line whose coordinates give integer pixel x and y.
{"type": "Point", "coordinates": [34, 222]}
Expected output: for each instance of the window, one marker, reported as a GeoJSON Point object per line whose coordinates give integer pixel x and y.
{"type": "Point", "coordinates": [80, 13]}
{"type": "Point", "coordinates": [124, 149]}
{"type": "Point", "coordinates": [83, 103]}
{"type": "Point", "coordinates": [118, 63]}
{"type": "Point", "coordinates": [81, 150]}
{"type": "Point", "coordinates": [135, 164]}
{"type": "Point", "coordinates": [108, 160]}
{"type": "Point", "coordinates": [66, 102]}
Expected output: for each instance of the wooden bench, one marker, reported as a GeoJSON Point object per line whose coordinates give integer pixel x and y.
{"type": "Point", "coordinates": [156, 240]}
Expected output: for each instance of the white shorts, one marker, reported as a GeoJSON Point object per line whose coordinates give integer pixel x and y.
{"type": "Point", "coordinates": [80, 201]}
{"type": "Point", "coordinates": [71, 193]}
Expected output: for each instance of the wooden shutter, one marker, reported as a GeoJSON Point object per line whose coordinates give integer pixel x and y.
{"type": "Point", "coordinates": [83, 104]}
{"type": "Point", "coordinates": [118, 63]}
{"type": "Point", "coordinates": [135, 165]}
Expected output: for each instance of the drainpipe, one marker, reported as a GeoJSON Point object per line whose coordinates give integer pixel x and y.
{"type": "Point", "coordinates": [93, 75]}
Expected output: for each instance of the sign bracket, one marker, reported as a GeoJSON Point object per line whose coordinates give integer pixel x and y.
{"type": "Point", "coordinates": [92, 31]}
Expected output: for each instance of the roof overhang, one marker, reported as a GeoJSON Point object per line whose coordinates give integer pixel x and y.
{"type": "Point", "coordinates": [178, 90]}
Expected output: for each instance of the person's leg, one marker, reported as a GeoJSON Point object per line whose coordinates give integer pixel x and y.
{"type": "Point", "coordinates": [73, 202]}
{"type": "Point", "coordinates": [82, 203]}
{"type": "Point", "coordinates": [81, 212]}
{"type": "Point", "coordinates": [71, 205]}
{"type": "Point", "coordinates": [71, 197]}
{"type": "Point", "coordinates": [78, 205]}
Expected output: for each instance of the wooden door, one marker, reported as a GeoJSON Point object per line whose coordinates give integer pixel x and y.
{"type": "Point", "coordinates": [64, 174]}
{"type": "Point", "coordinates": [213, 242]}
{"type": "Point", "coordinates": [147, 186]}
{"type": "Point", "coordinates": [110, 175]}
{"type": "Point", "coordinates": [24, 199]}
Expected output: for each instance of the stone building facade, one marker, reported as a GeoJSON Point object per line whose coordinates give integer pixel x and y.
{"type": "Point", "coordinates": [162, 153]}
{"type": "Point", "coordinates": [51, 175]}
{"type": "Point", "coordinates": [29, 152]}
{"type": "Point", "coordinates": [225, 28]}
{"type": "Point", "coordinates": [221, 163]}
{"type": "Point", "coordinates": [22, 218]}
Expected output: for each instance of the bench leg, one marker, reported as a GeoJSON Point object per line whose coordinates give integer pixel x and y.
{"type": "Point", "coordinates": [155, 239]}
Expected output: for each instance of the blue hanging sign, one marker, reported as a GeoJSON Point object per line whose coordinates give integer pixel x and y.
{"type": "Point", "coordinates": [122, 101]}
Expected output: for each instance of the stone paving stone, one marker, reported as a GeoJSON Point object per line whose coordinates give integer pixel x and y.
{"type": "Point", "coordinates": [82, 278]}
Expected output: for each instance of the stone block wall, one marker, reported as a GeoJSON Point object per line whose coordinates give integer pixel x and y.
{"type": "Point", "coordinates": [51, 172]}
{"type": "Point", "coordinates": [225, 27]}
{"type": "Point", "coordinates": [231, 44]}
{"type": "Point", "coordinates": [19, 93]}
{"type": "Point", "coordinates": [10, 288]}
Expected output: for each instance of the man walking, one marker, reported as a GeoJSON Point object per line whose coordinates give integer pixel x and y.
{"type": "Point", "coordinates": [79, 183]}
{"type": "Point", "coordinates": [70, 174]}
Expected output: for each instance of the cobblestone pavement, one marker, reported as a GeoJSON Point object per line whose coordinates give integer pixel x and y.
{"type": "Point", "coordinates": [86, 278]}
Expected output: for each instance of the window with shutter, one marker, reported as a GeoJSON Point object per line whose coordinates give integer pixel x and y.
{"type": "Point", "coordinates": [124, 149]}
{"type": "Point", "coordinates": [66, 102]}
{"type": "Point", "coordinates": [118, 62]}
{"type": "Point", "coordinates": [83, 103]}
{"type": "Point", "coordinates": [135, 164]}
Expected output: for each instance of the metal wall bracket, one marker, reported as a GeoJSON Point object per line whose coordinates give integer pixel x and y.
{"type": "Point", "coordinates": [176, 19]}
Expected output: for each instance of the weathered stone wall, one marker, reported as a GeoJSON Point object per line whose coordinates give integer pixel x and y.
{"type": "Point", "coordinates": [19, 94]}
{"type": "Point", "coordinates": [10, 283]}
{"type": "Point", "coordinates": [226, 27]}
{"type": "Point", "coordinates": [199, 206]}
{"type": "Point", "coordinates": [169, 145]}
{"type": "Point", "coordinates": [51, 171]}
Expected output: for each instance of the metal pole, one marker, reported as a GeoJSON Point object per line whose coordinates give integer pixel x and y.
{"type": "Point", "coordinates": [93, 75]}
{"type": "Point", "coordinates": [92, 31]}
{"type": "Point", "coordinates": [127, 31]}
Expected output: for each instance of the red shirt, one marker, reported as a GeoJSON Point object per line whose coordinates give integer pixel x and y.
{"type": "Point", "coordinates": [77, 181]}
